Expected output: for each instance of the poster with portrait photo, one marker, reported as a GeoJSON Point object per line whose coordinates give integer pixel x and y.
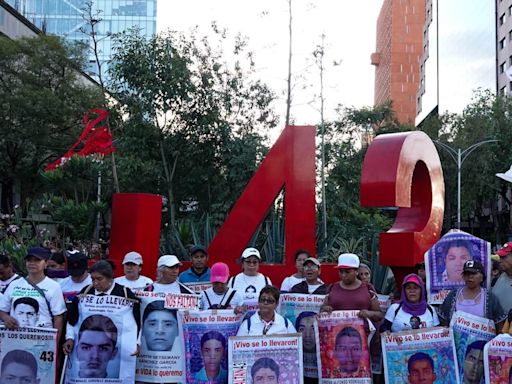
{"type": "Point", "coordinates": [470, 334]}
{"type": "Point", "coordinates": [301, 310]}
{"type": "Point", "coordinates": [105, 339]}
{"type": "Point", "coordinates": [444, 263]}
{"type": "Point", "coordinates": [265, 359]}
{"type": "Point", "coordinates": [161, 353]}
{"type": "Point", "coordinates": [28, 355]}
{"type": "Point", "coordinates": [498, 360]}
{"type": "Point", "coordinates": [343, 348]}
{"type": "Point", "coordinates": [205, 343]}
{"type": "Point", "coordinates": [420, 356]}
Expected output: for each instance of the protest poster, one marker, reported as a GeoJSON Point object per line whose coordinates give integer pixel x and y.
{"type": "Point", "coordinates": [265, 359]}
{"type": "Point", "coordinates": [498, 360]}
{"type": "Point", "coordinates": [161, 352]}
{"type": "Point", "coordinates": [105, 339]}
{"type": "Point", "coordinates": [427, 354]}
{"type": "Point", "coordinates": [301, 309]}
{"type": "Point", "coordinates": [343, 348]}
{"type": "Point", "coordinates": [28, 355]}
{"type": "Point", "coordinates": [384, 302]}
{"type": "Point", "coordinates": [205, 336]}
{"type": "Point", "coordinates": [470, 334]}
{"type": "Point", "coordinates": [444, 263]}
{"type": "Point", "coordinates": [199, 287]}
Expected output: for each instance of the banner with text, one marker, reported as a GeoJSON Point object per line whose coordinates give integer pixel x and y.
{"type": "Point", "coordinates": [343, 348]}
{"type": "Point", "coordinates": [470, 334]}
{"type": "Point", "coordinates": [28, 355]}
{"type": "Point", "coordinates": [301, 310]}
{"type": "Point", "coordinates": [428, 354]}
{"type": "Point", "coordinates": [445, 260]}
{"type": "Point", "coordinates": [205, 336]}
{"type": "Point", "coordinates": [265, 359]}
{"type": "Point", "coordinates": [161, 355]}
{"type": "Point", "coordinates": [105, 339]}
{"type": "Point", "coordinates": [498, 360]}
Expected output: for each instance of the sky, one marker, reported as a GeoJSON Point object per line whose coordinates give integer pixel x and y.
{"type": "Point", "coordinates": [349, 29]}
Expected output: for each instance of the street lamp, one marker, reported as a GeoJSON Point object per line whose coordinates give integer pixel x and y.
{"type": "Point", "coordinates": [459, 156]}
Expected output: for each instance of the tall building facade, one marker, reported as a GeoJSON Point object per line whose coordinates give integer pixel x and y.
{"type": "Point", "coordinates": [504, 46]}
{"type": "Point", "coordinates": [459, 55]}
{"type": "Point", "coordinates": [66, 18]}
{"type": "Point", "coordinates": [397, 57]}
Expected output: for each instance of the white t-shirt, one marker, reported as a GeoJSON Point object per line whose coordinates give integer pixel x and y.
{"type": "Point", "coordinates": [135, 285]}
{"type": "Point", "coordinates": [249, 286]}
{"type": "Point", "coordinates": [279, 326]}
{"type": "Point", "coordinates": [21, 288]}
{"type": "Point", "coordinates": [402, 320]}
{"type": "Point", "coordinates": [290, 281]}
{"type": "Point", "coordinates": [170, 288]}
{"type": "Point", "coordinates": [216, 299]}
{"type": "Point", "coordinates": [70, 288]}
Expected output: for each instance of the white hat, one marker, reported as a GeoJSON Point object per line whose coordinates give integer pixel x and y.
{"type": "Point", "coordinates": [347, 260]}
{"type": "Point", "coordinates": [248, 252]}
{"type": "Point", "coordinates": [168, 261]}
{"type": "Point", "coordinates": [507, 176]}
{"type": "Point", "coordinates": [133, 257]}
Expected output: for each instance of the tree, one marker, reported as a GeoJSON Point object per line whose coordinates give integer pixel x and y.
{"type": "Point", "coordinates": [43, 100]}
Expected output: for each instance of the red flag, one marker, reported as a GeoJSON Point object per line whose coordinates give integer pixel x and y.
{"type": "Point", "coordinates": [95, 139]}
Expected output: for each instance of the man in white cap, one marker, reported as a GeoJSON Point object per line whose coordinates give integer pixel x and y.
{"type": "Point", "coordinates": [169, 269]}
{"type": "Point", "coordinates": [132, 266]}
{"type": "Point", "coordinates": [249, 282]}
{"type": "Point", "coordinates": [220, 296]}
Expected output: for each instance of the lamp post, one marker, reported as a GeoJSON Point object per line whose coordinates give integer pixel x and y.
{"type": "Point", "coordinates": [459, 156]}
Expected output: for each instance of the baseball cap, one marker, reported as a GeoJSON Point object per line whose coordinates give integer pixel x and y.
{"type": "Point", "coordinates": [347, 260]}
{"type": "Point", "coordinates": [473, 266]}
{"type": "Point", "coordinates": [168, 261]}
{"type": "Point", "coordinates": [313, 260]}
{"type": "Point", "coordinates": [412, 278]}
{"type": "Point", "coordinates": [133, 257]}
{"type": "Point", "coordinates": [505, 250]}
{"type": "Point", "coordinates": [198, 248]}
{"type": "Point", "coordinates": [77, 263]}
{"type": "Point", "coordinates": [219, 273]}
{"type": "Point", "coordinates": [248, 252]}
{"type": "Point", "coordinates": [39, 252]}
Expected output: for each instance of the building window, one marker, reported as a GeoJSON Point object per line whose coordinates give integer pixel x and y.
{"type": "Point", "coordinates": [503, 91]}
{"type": "Point", "coordinates": [510, 10]}
{"type": "Point", "coordinates": [502, 19]}
{"type": "Point", "coordinates": [502, 43]}
{"type": "Point", "coordinates": [502, 67]}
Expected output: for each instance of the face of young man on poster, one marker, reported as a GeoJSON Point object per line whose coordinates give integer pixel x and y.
{"type": "Point", "coordinates": [26, 315]}
{"type": "Point", "coordinates": [349, 352]}
{"type": "Point", "coordinates": [15, 373]}
{"type": "Point", "coordinates": [160, 330]}
{"type": "Point", "coordinates": [94, 351]}
{"type": "Point", "coordinates": [265, 376]}
{"type": "Point", "coordinates": [421, 372]}
{"type": "Point", "coordinates": [212, 353]}
{"type": "Point", "coordinates": [473, 366]}
{"type": "Point", "coordinates": [307, 329]}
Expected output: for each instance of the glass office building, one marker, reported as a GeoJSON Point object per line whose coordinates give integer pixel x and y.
{"type": "Point", "coordinates": [66, 18]}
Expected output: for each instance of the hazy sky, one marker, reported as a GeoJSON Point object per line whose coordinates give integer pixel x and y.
{"type": "Point", "coordinates": [349, 27]}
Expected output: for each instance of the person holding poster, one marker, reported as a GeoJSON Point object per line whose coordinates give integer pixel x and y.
{"type": "Point", "coordinates": [39, 287]}
{"type": "Point", "coordinates": [300, 256]}
{"type": "Point", "coordinates": [350, 293]}
{"type": "Point", "coordinates": [266, 321]}
{"type": "Point", "coordinates": [250, 282]}
{"type": "Point", "coordinates": [312, 285]}
{"type": "Point", "coordinates": [132, 267]}
{"type": "Point", "coordinates": [169, 269]}
{"type": "Point", "coordinates": [219, 295]}
{"type": "Point", "coordinates": [472, 298]}
{"type": "Point", "coordinates": [503, 286]}
{"type": "Point", "coordinates": [412, 312]}
{"type": "Point", "coordinates": [103, 284]}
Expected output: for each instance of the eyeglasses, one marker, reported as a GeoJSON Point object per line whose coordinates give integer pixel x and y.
{"type": "Point", "coordinates": [252, 262]}
{"type": "Point", "coordinates": [311, 267]}
{"type": "Point", "coordinates": [267, 301]}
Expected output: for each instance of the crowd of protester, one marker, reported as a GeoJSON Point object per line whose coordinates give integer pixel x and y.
{"type": "Point", "coordinates": [59, 277]}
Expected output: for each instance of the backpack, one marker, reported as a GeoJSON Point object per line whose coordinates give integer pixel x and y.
{"type": "Point", "coordinates": [220, 306]}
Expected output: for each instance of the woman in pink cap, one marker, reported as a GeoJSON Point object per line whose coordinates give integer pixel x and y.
{"type": "Point", "coordinates": [350, 293]}
{"type": "Point", "coordinates": [219, 295]}
{"type": "Point", "coordinates": [412, 312]}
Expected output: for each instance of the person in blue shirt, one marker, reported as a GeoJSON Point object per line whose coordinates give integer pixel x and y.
{"type": "Point", "coordinates": [199, 271]}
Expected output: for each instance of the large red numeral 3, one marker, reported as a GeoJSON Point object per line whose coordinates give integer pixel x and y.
{"type": "Point", "coordinates": [403, 170]}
